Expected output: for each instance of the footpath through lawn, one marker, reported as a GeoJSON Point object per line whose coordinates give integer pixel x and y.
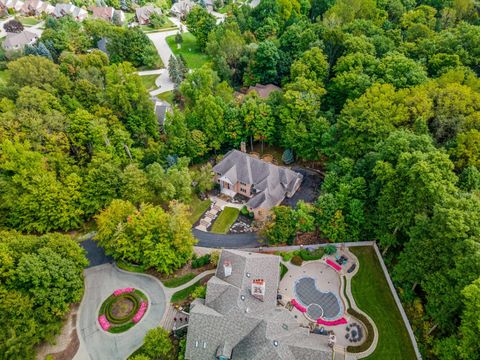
{"type": "Point", "coordinates": [372, 295]}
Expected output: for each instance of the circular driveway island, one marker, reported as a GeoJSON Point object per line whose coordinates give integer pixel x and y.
{"type": "Point", "coordinates": [100, 282]}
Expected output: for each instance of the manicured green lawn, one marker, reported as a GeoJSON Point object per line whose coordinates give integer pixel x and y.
{"type": "Point", "coordinates": [166, 96]}
{"type": "Point", "coordinates": [129, 16]}
{"type": "Point", "coordinates": [283, 271]}
{"type": "Point", "coordinates": [28, 21]}
{"type": "Point", "coordinates": [372, 295]}
{"type": "Point", "coordinates": [198, 207]}
{"type": "Point", "coordinates": [185, 293]}
{"type": "Point", "coordinates": [226, 219]}
{"type": "Point", "coordinates": [149, 81]}
{"type": "Point", "coordinates": [172, 283]}
{"type": "Point", "coordinates": [167, 26]}
{"type": "Point", "coordinates": [189, 50]}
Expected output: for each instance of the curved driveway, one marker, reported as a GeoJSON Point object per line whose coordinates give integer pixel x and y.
{"type": "Point", "coordinates": [228, 241]}
{"type": "Point", "coordinates": [100, 282]}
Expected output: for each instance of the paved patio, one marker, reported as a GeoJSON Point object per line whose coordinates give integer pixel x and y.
{"type": "Point", "coordinates": [315, 282]}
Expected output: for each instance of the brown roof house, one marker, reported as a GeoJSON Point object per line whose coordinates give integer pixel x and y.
{"type": "Point", "coordinates": [17, 41]}
{"type": "Point", "coordinates": [240, 319]}
{"type": "Point", "coordinates": [264, 91]}
{"type": "Point", "coordinates": [107, 13]}
{"type": "Point", "coordinates": [143, 13]}
{"type": "Point", "coordinates": [36, 8]}
{"type": "Point", "coordinates": [265, 184]}
{"type": "Point", "coordinates": [181, 8]}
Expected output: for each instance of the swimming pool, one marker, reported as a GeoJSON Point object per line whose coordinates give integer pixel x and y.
{"type": "Point", "coordinates": [319, 304]}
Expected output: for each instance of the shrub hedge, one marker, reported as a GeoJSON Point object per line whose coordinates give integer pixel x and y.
{"type": "Point", "coordinates": [201, 261]}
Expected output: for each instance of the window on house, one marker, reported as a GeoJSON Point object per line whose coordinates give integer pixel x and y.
{"type": "Point", "coordinates": [242, 183]}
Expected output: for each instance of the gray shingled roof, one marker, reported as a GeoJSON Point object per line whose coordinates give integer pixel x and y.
{"type": "Point", "coordinates": [18, 40]}
{"type": "Point", "coordinates": [225, 324]}
{"type": "Point", "coordinates": [270, 181]}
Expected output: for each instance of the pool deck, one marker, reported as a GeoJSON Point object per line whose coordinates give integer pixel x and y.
{"type": "Point", "coordinates": [327, 279]}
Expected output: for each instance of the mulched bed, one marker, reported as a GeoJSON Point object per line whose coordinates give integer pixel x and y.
{"type": "Point", "coordinates": [310, 239]}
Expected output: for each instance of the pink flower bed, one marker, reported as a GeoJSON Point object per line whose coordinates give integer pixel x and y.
{"type": "Point", "coordinates": [298, 306]}
{"type": "Point", "coordinates": [333, 265]}
{"type": "Point", "coordinates": [123, 291]}
{"type": "Point", "coordinates": [340, 321]}
{"type": "Point", "coordinates": [104, 322]}
{"type": "Point", "coordinates": [141, 311]}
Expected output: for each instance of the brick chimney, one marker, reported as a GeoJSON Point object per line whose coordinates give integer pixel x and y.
{"type": "Point", "coordinates": [227, 268]}
{"type": "Point", "coordinates": [258, 289]}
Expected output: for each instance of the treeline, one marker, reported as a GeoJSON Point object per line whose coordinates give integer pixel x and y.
{"type": "Point", "coordinates": [39, 278]}
{"type": "Point", "coordinates": [385, 96]}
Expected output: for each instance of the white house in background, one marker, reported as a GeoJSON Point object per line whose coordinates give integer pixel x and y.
{"type": "Point", "coordinates": [16, 5]}
{"type": "Point", "coordinates": [181, 8]}
{"type": "Point", "coordinates": [17, 41]}
{"type": "Point", "coordinates": [77, 13]}
{"type": "Point", "coordinates": [143, 13]}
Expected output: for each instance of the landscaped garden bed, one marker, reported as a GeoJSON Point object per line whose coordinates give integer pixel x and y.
{"type": "Point", "coordinates": [122, 310]}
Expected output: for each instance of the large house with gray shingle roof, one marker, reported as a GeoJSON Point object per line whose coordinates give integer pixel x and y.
{"type": "Point", "coordinates": [240, 318]}
{"type": "Point", "coordinates": [264, 183]}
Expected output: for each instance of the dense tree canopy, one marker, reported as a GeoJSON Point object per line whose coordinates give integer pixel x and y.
{"type": "Point", "coordinates": [39, 278]}
{"type": "Point", "coordinates": [383, 96]}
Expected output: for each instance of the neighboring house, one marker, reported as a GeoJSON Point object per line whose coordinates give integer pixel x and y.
{"type": "Point", "coordinates": [240, 319]}
{"type": "Point", "coordinates": [77, 13]}
{"type": "Point", "coordinates": [3, 9]}
{"type": "Point", "coordinates": [17, 41]}
{"type": "Point", "coordinates": [264, 91]}
{"type": "Point", "coordinates": [107, 13]}
{"type": "Point", "coordinates": [143, 14]}
{"type": "Point", "coordinates": [181, 8]}
{"type": "Point", "coordinates": [264, 183]}
{"type": "Point", "coordinates": [161, 110]}
{"type": "Point", "coordinates": [102, 45]}
{"type": "Point", "coordinates": [102, 12]}
{"type": "Point", "coordinates": [16, 5]}
{"type": "Point", "coordinates": [36, 8]}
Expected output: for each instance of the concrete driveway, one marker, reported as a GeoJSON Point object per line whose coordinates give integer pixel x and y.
{"type": "Point", "coordinates": [159, 40]}
{"type": "Point", "coordinates": [100, 282]}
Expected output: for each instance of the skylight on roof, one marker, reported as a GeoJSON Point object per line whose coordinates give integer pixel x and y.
{"type": "Point", "coordinates": [275, 343]}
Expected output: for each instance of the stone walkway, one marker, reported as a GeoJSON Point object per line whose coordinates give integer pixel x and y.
{"type": "Point", "coordinates": [209, 216]}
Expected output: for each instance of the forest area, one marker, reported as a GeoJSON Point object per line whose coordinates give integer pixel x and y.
{"type": "Point", "coordinates": [383, 96]}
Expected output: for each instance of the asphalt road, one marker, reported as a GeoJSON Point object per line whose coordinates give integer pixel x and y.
{"type": "Point", "coordinates": [228, 241]}
{"type": "Point", "coordinates": [95, 254]}
{"type": "Point", "coordinates": [100, 282]}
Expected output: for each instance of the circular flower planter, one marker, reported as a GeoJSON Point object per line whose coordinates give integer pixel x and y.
{"type": "Point", "coordinates": [122, 310]}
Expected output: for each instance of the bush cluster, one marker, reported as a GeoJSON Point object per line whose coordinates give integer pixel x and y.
{"type": "Point", "coordinates": [201, 261]}
{"type": "Point", "coordinates": [297, 260]}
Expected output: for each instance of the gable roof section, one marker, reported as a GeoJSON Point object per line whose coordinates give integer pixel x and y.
{"type": "Point", "coordinates": [271, 182]}
{"type": "Point", "coordinates": [19, 40]}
